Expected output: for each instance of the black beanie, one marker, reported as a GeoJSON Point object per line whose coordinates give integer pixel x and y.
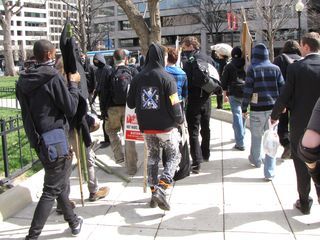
{"type": "Point", "coordinates": [236, 52]}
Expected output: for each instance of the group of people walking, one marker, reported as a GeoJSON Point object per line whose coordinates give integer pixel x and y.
{"type": "Point", "coordinates": [165, 96]}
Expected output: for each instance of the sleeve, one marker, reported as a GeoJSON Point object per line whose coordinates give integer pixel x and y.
{"type": "Point", "coordinates": [173, 102]}
{"type": "Point", "coordinates": [66, 99]}
{"type": "Point", "coordinates": [184, 93]}
{"type": "Point", "coordinates": [284, 100]}
{"type": "Point", "coordinates": [247, 90]}
{"type": "Point", "coordinates": [131, 97]}
{"type": "Point", "coordinates": [314, 123]}
{"type": "Point", "coordinates": [225, 78]}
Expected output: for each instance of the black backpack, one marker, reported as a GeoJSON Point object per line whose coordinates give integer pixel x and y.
{"type": "Point", "coordinates": [204, 75]}
{"type": "Point", "coordinates": [120, 79]}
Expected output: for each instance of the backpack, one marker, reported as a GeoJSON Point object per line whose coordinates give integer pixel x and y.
{"type": "Point", "coordinates": [204, 75]}
{"type": "Point", "coordinates": [120, 79]}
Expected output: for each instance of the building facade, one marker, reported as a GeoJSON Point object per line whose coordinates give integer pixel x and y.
{"type": "Point", "coordinates": [38, 19]}
{"type": "Point", "coordinates": [181, 18]}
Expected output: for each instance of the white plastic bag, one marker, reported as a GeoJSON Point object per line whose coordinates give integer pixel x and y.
{"type": "Point", "coordinates": [271, 140]}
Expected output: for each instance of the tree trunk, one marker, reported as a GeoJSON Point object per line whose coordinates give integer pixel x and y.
{"type": "Point", "coordinates": [137, 22]}
{"type": "Point", "coordinates": [7, 46]}
{"type": "Point", "coordinates": [82, 26]}
{"type": "Point", "coordinates": [271, 48]}
{"type": "Point", "coordinates": [155, 35]}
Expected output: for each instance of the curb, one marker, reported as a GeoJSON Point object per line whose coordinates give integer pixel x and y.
{"type": "Point", "coordinates": [30, 190]}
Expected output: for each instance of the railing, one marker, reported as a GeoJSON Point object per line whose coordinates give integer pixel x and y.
{"type": "Point", "coordinates": [8, 98]}
{"type": "Point", "coordinates": [17, 156]}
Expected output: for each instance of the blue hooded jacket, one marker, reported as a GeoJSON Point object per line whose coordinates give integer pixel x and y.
{"type": "Point", "coordinates": [263, 79]}
{"type": "Point", "coordinates": [181, 79]}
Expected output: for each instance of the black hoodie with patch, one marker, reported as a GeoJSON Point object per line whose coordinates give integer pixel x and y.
{"type": "Point", "coordinates": [153, 92]}
{"type": "Point", "coordinates": [45, 101]}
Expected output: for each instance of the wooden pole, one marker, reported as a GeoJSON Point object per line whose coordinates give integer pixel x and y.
{"type": "Point", "coordinates": [79, 165]}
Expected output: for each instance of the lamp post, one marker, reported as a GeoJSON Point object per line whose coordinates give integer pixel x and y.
{"type": "Point", "coordinates": [299, 9]}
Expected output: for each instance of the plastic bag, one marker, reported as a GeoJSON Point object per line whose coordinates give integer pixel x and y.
{"type": "Point", "coordinates": [271, 140]}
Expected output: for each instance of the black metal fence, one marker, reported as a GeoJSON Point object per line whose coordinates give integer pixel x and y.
{"type": "Point", "coordinates": [17, 156]}
{"type": "Point", "coordinates": [8, 98]}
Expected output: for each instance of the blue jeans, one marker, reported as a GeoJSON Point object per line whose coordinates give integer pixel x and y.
{"type": "Point", "coordinates": [258, 125]}
{"type": "Point", "coordinates": [238, 122]}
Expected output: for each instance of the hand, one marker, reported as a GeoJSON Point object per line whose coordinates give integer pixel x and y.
{"type": "Point", "coordinates": [273, 121]}
{"type": "Point", "coordinates": [245, 115]}
{"type": "Point", "coordinates": [284, 110]}
{"type": "Point", "coordinates": [74, 77]}
{"type": "Point", "coordinates": [226, 99]}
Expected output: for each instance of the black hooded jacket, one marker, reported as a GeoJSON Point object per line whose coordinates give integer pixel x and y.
{"type": "Point", "coordinates": [102, 73]}
{"type": "Point", "coordinates": [153, 92]}
{"type": "Point", "coordinates": [45, 101]}
{"type": "Point", "coordinates": [233, 77]}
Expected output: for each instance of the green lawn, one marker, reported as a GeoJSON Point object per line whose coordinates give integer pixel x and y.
{"type": "Point", "coordinates": [8, 81]}
{"type": "Point", "coordinates": [17, 144]}
{"type": "Point", "coordinates": [226, 106]}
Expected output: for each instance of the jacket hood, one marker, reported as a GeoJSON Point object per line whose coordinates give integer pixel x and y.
{"type": "Point", "coordinates": [33, 78]}
{"type": "Point", "coordinates": [174, 70]}
{"type": "Point", "coordinates": [260, 54]}
{"type": "Point", "coordinates": [154, 58]}
{"type": "Point", "coordinates": [100, 58]}
{"type": "Point", "coordinates": [238, 62]}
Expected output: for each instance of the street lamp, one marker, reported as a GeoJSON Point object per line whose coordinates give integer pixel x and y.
{"type": "Point", "coordinates": [299, 9]}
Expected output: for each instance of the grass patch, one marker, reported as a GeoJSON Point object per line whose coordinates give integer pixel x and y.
{"type": "Point", "coordinates": [18, 149]}
{"type": "Point", "coordinates": [226, 106]}
{"type": "Point", "coordinates": [8, 82]}
{"type": "Point", "coordinates": [6, 113]}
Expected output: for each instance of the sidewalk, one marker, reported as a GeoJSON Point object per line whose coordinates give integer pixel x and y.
{"type": "Point", "coordinates": [228, 200]}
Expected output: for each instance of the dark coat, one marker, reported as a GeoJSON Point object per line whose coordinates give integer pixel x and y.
{"type": "Point", "coordinates": [153, 92]}
{"type": "Point", "coordinates": [300, 93]}
{"type": "Point", "coordinates": [45, 101]}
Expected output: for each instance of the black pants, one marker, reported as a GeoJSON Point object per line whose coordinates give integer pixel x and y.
{"type": "Point", "coordinates": [55, 186]}
{"type": "Point", "coordinates": [283, 129]}
{"type": "Point", "coordinates": [303, 177]}
{"type": "Point", "coordinates": [219, 101]}
{"type": "Point", "coordinates": [198, 118]}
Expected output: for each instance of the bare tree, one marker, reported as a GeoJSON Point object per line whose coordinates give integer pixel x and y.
{"type": "Point", "coordinates": [274, 14]}
{"type": "Point", "coordinates": [10, 10]}
{"type": "Point", "coordinates": [147, 34]}
{"type": "Point", "coordinates": [212, 15]}
{"type": "Point", "coordinates": [313, 16]}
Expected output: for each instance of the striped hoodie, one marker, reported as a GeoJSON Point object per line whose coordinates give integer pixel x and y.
{"type": "Point", "coordinates": [263, 81]}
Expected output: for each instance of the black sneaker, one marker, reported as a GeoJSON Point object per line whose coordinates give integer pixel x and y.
{"type": "Point", "coordinates": [159, 197]}
{"type": "Point", "coordinates": [304, 208]}
{"type": "Point", "coordinates": [240, 148]}
{"type": "Point", "coordinates": [76, 231]}
{"type": "Point", "coordinates": [153, 203]}
{"type": "Point", "coordinates": [195, 169]}
{"type": "Point", "coordinates": [104, 144]}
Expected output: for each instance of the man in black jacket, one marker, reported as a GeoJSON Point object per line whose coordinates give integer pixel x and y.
{"type": "Point", "coordinates": [198, 107]}
{"type": "Point", "coordinates": [45, 104]}
{"type": "Point", "coordinates": [290, 53]}
{"type": "Point", "coordinates": [153, 92]}
{"type": "Point", "coordinates": [101, 75]}
{"type": "Point", "coordinates": [299, 94]}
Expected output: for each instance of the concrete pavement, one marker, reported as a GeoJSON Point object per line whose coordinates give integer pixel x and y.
{"type": "Point", "coordinates": [228, 200]}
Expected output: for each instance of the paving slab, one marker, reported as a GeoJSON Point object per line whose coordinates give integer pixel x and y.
{"type": "Point", "coordinates": [228, 200]}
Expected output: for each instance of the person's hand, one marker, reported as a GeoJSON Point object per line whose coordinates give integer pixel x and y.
{"type": "Point", "coordinates": [273, 121]}
{"type": "Point", "coordinates": [245, 115]}
{"type": "Point", "coordinates": [284, 110]}
{"type": "Point", "coordinates": [226, 99]}
{"type": "Point", "coordinates": [74, 77]}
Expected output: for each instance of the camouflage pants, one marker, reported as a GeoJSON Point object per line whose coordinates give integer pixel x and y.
{"type": "Point", "coordinates": [170, 143]}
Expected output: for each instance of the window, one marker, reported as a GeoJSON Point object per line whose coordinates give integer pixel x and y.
{"type": "Point", "coordinates": [124, 25]}
{"type": "Point", "coordinates": [35, 14]}
{"type": "Point", "coordinates": [133, 42]}
{"type": "Point", "coordinates": [19, 23]}
{"type": "Point", "coordinates": [106, 11]}
{"type": "Point", "coordinates": [19, 33]}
